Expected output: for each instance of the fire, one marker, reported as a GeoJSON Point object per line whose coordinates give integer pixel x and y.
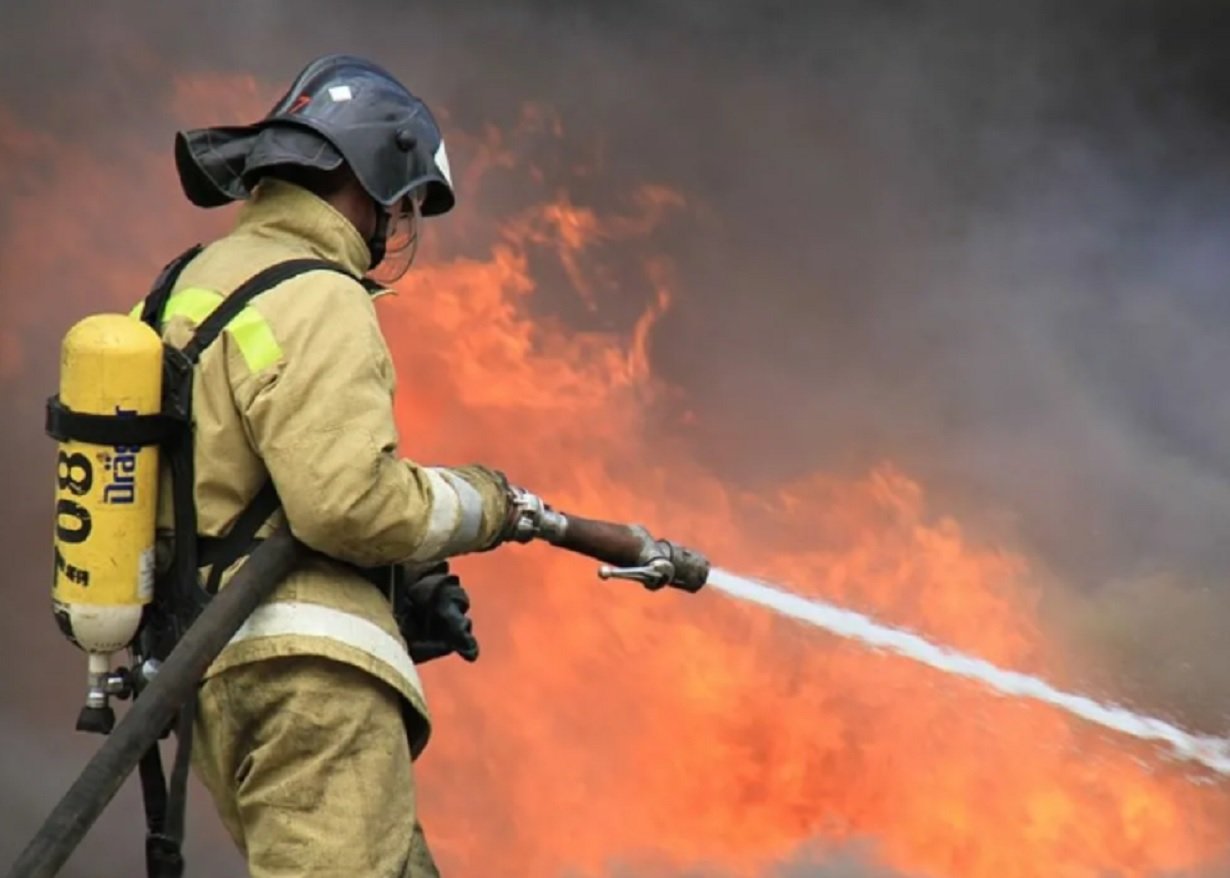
{"type": "Point", "coordinates": [604, 723]}
{"type": "Point", "coordinates": [605, 727]}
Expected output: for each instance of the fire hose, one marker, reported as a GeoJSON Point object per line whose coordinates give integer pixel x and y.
{"type": "Point", "coordinates": [627, 551]}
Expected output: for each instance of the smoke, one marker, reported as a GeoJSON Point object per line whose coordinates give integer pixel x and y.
{"type": "Point", "coordinates": [962, 239]}
{"type": "Point", "coordinates": [981, 241]}
{"type": "Point", "coordinates": [39, 767]}
{"type": "Point", "coordinates": [985, 241]}
{"type": "Point", "coordinates": [850, 860]}
{"type": "Point", "coordinates": [1152, 640]}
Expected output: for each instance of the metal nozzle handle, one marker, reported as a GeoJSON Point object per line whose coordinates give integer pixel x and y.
{"type": "Point", "coordinates": [631, 552]}
{"type": "Point", "coordinates": [654, 575]}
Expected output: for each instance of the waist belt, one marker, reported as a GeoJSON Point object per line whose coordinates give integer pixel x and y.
{"type": "Point", "coordinates": [221, 552]}
{"type": "Point", "coordinates": [212, 550]}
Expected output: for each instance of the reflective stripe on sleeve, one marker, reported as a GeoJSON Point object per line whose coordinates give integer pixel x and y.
{"type": "Point", "coordinates": [441, 520]}
{"type": "Point", "coordinates": [471, 521]}
{"type": "Point", "coordinates": [455, 519]}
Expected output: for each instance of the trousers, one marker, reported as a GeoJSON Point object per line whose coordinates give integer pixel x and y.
{"type": "Point", "coordinates": [309, 767]}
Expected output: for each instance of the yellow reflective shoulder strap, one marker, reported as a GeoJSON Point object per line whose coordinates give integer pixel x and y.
{"type": "Point", "coordinates": [194, 303]}
{"type": "Point", "coordinates": [213, 313]}
{"type": "Point", "coordinates": [248, 329]}
{"type": "Point", "coordinates": [255, 339]}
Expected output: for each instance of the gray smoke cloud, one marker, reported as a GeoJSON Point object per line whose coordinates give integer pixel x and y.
{"type": "Point", "coordinates": [849, 860]}
{"type": "Point", "coordinates": [985, 241]}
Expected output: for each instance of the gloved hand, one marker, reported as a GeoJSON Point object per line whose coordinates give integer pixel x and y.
{"type": "Point", "coordinates": [430, 606]}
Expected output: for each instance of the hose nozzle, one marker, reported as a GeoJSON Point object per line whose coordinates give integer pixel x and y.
{"type": "Point", "coordinates": [667, 564]}
{"type": "Point", "coordinates": [629, 552]}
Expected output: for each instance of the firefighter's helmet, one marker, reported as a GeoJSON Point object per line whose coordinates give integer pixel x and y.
{"type": "Point", "coordinates": [340, 108]}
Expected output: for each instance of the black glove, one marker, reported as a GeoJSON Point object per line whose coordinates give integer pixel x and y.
{"type": "Point", "coordinates": [430, 606]}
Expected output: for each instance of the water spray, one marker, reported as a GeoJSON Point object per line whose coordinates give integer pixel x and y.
{"type": "Point", "coordinates": [1211, 752]}
{"type": "Point", "coordinates": [631, 552]}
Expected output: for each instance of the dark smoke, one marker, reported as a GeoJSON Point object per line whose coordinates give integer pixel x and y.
{"type": "Point", "coordinates": [983, 240]}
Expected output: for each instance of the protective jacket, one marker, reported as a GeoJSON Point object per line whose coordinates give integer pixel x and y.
{"type": "Point", "coordinates": [299, 388]}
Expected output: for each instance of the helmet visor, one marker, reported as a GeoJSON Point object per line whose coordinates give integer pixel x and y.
{"type": "Point", "coordinates": [401, 241]}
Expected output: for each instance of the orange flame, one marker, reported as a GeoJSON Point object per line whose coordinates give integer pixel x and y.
{"type": "Point", "coordinates": [608, 727]}
{"type": "Point", "coordinates": [604, 723]}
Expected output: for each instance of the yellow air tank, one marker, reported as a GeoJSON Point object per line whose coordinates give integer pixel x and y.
{"type": "Point", "coordinates": [106, 500]}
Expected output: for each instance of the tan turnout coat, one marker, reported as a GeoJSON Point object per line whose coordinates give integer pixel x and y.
{"type": "Point", "coordinates": [300, 387]}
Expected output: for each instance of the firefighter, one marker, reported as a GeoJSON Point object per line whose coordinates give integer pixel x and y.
{"type": "Point", "coordinates": [308, 721]}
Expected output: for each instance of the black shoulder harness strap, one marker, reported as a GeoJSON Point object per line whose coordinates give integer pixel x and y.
{"type": "Point", "coordinates": [177, 384]}
{"type": "Point", "coordinates": [178, 595]}
{"type": "Point", "coordinates": [165, 813]}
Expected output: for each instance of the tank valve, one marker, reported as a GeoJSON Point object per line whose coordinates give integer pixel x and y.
{"type": "Point", "coordinates": [97, 716]}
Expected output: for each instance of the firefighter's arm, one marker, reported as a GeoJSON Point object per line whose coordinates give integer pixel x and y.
{"type": "Point", "coordinates": [322, 421]}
